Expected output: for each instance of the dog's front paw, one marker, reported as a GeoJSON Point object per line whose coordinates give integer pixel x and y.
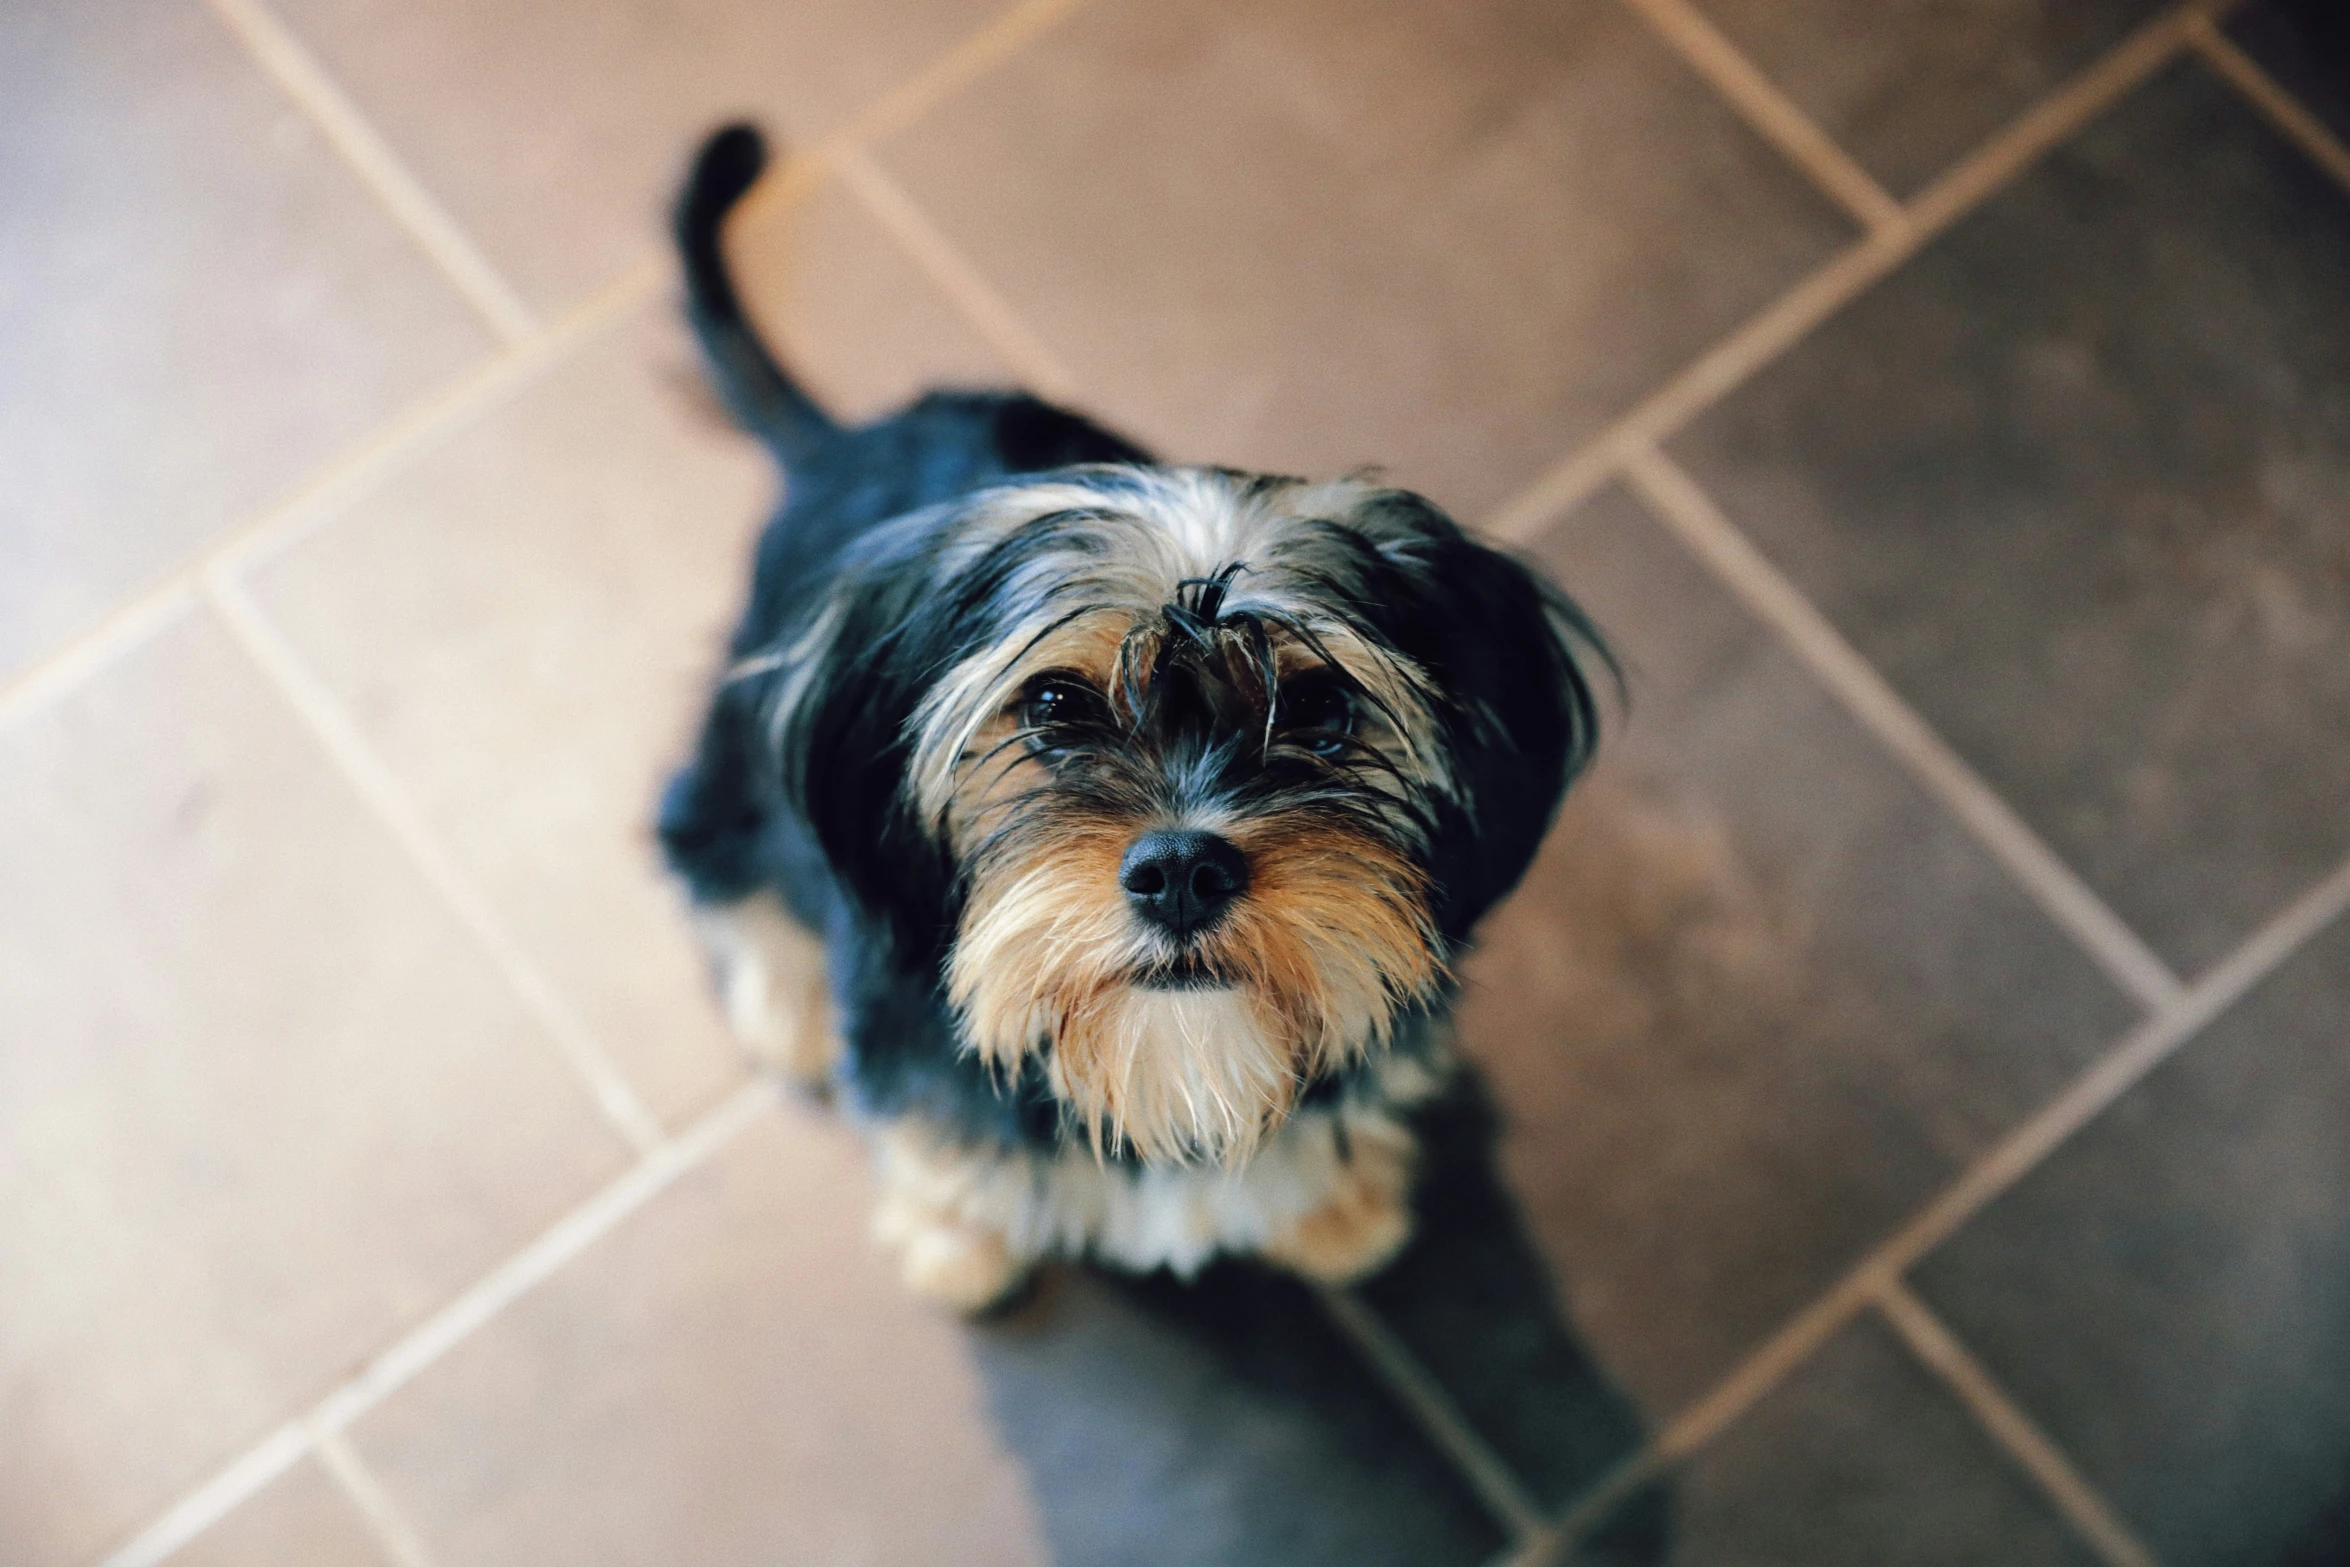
{"type": "Point", "coordinates": [1359, 1227]}
{"type": "Point", "coordinates": [771, 983]}
{"type": "Point", "coordinates": [929, 1217]}
{"type": "Point", "coordinates": [958, 1266]}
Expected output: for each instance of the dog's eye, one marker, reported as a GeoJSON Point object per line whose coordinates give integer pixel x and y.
{"type": "Point", "coordinates": [1060, 702]}
{"type": "Point", "coordinates": [1319, 712]}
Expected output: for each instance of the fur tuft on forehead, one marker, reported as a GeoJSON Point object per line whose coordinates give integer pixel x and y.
{"type": "Point", "coordinates": [1088, 572]}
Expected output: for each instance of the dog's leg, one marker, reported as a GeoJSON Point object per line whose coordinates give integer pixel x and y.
{"type": "Point", "coordinates": [933, 1214]}
{"type": "Point", "coordinates": [771, 985]}
{"type": "Point", "coordinates": [1364, 1216]}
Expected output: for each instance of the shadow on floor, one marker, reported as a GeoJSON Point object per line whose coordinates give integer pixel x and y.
{"type": "Point", "coordinates": [1228, 1421]}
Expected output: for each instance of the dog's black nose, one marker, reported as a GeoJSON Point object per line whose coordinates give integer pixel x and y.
{"type": "Point", "coordinates": [1182, 882]}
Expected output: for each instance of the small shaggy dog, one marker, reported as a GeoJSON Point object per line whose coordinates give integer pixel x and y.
{"type": "Point", "coordinates": [1106, 831]}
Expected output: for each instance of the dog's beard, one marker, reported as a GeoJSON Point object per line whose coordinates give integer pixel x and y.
{"type": "Point", "coordinates": [1194, 1054]}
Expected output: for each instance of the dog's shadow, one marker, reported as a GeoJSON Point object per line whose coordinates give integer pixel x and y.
{"type": "Point", "coordinates": [1230, 1421]}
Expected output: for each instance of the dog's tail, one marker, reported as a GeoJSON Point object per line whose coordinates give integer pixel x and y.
{"type": "Point", "coordinates": [758, 391]}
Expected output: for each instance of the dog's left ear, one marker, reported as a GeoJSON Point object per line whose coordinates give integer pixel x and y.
{"type": "Point", "coordinates": [1515, 655]}
{"type": "Point", "coordinates": [842, 687]}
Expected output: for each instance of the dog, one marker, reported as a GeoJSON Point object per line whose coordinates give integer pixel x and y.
{"type": "Point", "coordinates": [1103, 833]}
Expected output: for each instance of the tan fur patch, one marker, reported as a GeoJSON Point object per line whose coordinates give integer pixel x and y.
{"type": "Point", "coordinates": [1330, 941]}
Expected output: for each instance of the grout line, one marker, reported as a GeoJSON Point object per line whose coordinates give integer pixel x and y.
{"type": "Point", "coordinates": [1588, 1511]}
{"type": "Point", "coordinates": [2030, 1448]}
{"type": "Point", "coordinates": [302, 78]}
{"type": "Point", "coordinates": [148, 613]}
{"type": "Point", "coordinates": [957, 69]}
{"type": "Point", "coordinates": [2061, 113]}
{"type": "Point", "coordinates": [392, 1532]}
{"type": "Point", "coordinates": [804, 167]}
{"type": "Point", "coordinates": [502, 1286]}
{"type": "Point", "coordinates": [2137, 1053]}
{"type": "Point", "coordinates": [342, 483]}
{"type": "Point", "coordinates": [1780, 324]}
{"type": "Point", "coordinates": [1691, 515]}
{"type": "Point", "coordinates": [938, 259]}
{"type": "Point", "coordinates": [417, 1349]}
{"type": "Point", "coordinates": [1418, 1389]}
{"type": "Point", "coordinates": [214, 1500]}
{"type": "Point", "coordinates": [2270, 97]}
{"type": "Point", "coordinates": [376, 784]}
{"type": "Point", "coordinates": [1770, 113]}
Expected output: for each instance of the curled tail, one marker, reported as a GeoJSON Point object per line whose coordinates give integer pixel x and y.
{"type": "Point", "coordinates": [758, 391]}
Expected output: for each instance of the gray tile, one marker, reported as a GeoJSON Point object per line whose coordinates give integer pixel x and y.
{"type": "Point", "coordinates": [1861, 1458]}
{"type": "Point", "coordinates": [554, 130]}
{"type": "Point", "coordinates": [525, 625]}
{"type": "Point", "coordinates": [2305, 45]}
{"type": "Point", "coordinates": [731, 1376]}
{"type": "Point", "coordinates": [1909, 88]}
{"type": "Point", "coordinates": [301, 1519]}
{"type": "Point", "coordinates": [1474, 1300]}
{"type": "Point", "coordinates": [2170, 1294]}
{"type": "Point", "coordinates": [1223, 1421]}
{"type": "Point", "coordinates": [198, 306]}
{"type": "Point", "coordinates": [2074, 479]}
{"type": "Point", "coordinates": [262, 1106]}
{"type": "Point", "coordinates": [1758, 999]}
{"type": "Point", "coordinates": [1311, 234]}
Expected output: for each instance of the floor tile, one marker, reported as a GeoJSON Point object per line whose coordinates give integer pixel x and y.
{"type": "Point", "coordinates": [2170, 1294]}
{"type": "Point", "coordinates": [556, 130]}
{"type": "Point", "coordinates": [1218, 1422]}
{"type": "Point", "coordinates": [198, 305]}
{"type": "Point", "coordinates": [300, 1520]}
{"type": "Point", "coordinates": [849, 313]}
{"type": "Point", "coordinates": [525, 626]}
{"type": "Point", "coordinates": [1311, 234]}
{"type": "Point", "coordinates": [1474, 1300]}
{"type": "Point", "coordinates": [1758, 999]}
{"type": "Point", "coordinates": [2305, 45]}
{"type": "Point", "coordinates": [1861, 1458]}
{"type": "Point", "coordinates": [2074, 479]}
{"type": "Point", "coordinates": [1908, 89]}
{"type": "Point", "coordinates": [731, 1376]}
{"type": "Point", "coordinates": [261, 1105]}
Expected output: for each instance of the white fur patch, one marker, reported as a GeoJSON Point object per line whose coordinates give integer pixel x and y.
{"type": "Point", "coordinates": [1143, 1217]}
{"type": "Point", "coordinates": [1196, 1060]}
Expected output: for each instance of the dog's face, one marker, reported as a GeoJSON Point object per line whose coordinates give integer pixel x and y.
{"type": "Point", "coordinates": [1192, 782]}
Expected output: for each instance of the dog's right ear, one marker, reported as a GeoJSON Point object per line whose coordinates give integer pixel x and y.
{"type": "Point", "coordinates": [837, 694]}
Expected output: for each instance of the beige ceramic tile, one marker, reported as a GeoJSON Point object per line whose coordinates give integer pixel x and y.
{"type": "Point", "coordinates": [301, 1520]}
{"type": "Point", "coordinates": [1311, 234]}
{"type": "Point", "coordinates": [261, 1106]}
{"type": "Point", "coordinates": [198, 305]}
{"type": "Point", "coordinates": [554, 129]}
{"type": "Point", "coordinates": [853, 316]}
{"type": "Point", "coordinates": [732, 1376]}
{"type": "Point", "coordinates": [525, 626]}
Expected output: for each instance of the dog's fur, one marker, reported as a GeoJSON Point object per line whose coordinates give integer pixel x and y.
{"type": "Point", "coordinates": [990, 646]}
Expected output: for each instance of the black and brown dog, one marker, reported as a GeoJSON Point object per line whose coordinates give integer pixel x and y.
{"type": "Point", "coordinates": [1106, 831]}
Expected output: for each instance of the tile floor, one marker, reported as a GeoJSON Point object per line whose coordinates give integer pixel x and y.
{"type": "Point", "coordinates": [1913, 1112]}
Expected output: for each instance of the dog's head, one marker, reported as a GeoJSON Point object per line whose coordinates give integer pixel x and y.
{"type": "Point", "coordinates": [1191, 782]}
